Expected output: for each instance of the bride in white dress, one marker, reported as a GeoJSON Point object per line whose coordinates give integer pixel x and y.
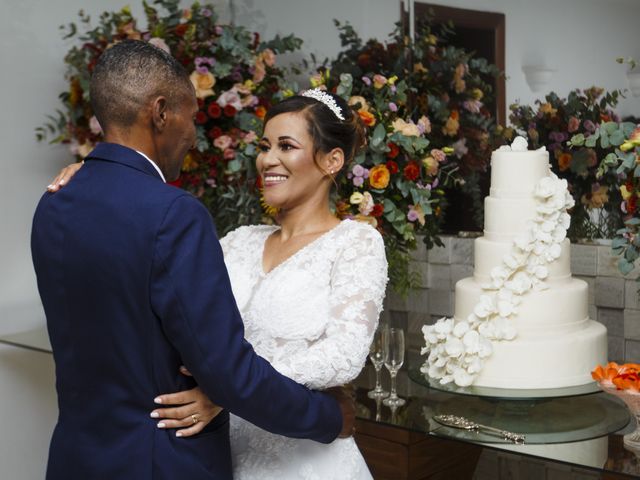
{"type": "Point", "coordinates": [310, 290]}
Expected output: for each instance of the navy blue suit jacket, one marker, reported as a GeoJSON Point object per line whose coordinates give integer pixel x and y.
{"type": "Point", "coordinates": [133, 284]}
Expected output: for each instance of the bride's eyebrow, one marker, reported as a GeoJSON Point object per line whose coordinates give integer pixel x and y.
{"type": "Point", "coordinates": [287, 137]}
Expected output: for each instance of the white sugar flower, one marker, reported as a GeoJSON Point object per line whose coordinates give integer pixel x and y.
{"type": "Point", "coordinates": [462, 378]}
{"type": "Point", "coordinates": [520, 284]}
{"type": "Point", "coordinates": [519, 144]}
{"type": "Point", "coordinates": [454, 347]}
{"type": "Point", "coordinates": [544, 188]}
{"type": "Point", "coordinates": [460, 329]}
{"type": "Point", "coordinates": [485, 307]}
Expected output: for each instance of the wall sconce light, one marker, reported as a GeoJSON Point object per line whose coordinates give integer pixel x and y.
{"type": "Point", "coordinates": [537, 76]}
{"type": "Point", "coordinates": [633, 78]}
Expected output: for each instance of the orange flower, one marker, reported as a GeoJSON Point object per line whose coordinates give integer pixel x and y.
{"type": "Point", "coordinates": [624, 377]}
{"type": "Point", "coordinates": [627, 381]}
{"type": "Point", "coordinates": [261, 112]}
{"type": "Point", "coordinates": [564, 161]}
{"type": "Point", "coordinates": [379, 176]}
{"type": "Point", "coordinates": [367, 118]}
{"type": "Point", "coordinates": [605, 373]}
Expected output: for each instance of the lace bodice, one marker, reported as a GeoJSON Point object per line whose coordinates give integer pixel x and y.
{"type": "Point", "coordinates": [313, 317]}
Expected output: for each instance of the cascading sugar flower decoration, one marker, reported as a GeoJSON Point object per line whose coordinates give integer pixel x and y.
{"type": "Point", "coordinates": [458, 348]}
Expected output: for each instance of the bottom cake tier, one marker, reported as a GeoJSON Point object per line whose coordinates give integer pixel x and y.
{"type": "Point", "coordinates": [557, 345]}
{"type": "Point", "coordinates": [554, 361]}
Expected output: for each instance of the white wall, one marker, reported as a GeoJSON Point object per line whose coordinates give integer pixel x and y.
{"type": "Point", "coordinates": [580, 38]}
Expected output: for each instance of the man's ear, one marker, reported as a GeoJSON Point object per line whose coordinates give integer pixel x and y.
{"type": "Point", "coordinates": [159, 113]}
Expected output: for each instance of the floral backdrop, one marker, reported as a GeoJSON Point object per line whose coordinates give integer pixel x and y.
{"type": "Point", "coordinates": [423, 104]}
{"type": "Point", "coordinates": [236, 80]}
{"type": "Point", "coordinates": [581, 117]}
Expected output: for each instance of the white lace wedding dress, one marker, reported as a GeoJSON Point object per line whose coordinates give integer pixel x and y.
{"type": "Point", "coordinates": [313, 317]}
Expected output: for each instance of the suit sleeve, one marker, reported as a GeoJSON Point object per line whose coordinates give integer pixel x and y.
{"type": "Point", "coordinates": [191, 294]}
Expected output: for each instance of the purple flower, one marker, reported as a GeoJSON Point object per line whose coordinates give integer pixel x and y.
{"type": "Point", "coordinates": [393, 107]}
{"type": "Point", "coordinates": [206, 12]}
{"type": "Point", "coordinates": [412, 216]}
{"type": "Point", "coordinates": [595, 187]}
{"type": "Point", "coordinates": [393, 88]}
{"type": "Point", "coordinates": [367, 81]}
{"type": "Point", "coordinates": [589, 126]}
{"type": "Point", "coordinates": [358, 170]}
{"type": "Point", "coordinates": [202, 69]}
{"type": "Point", "coordinates": [358, 181]}
{"type": "Point", "coordinates": [219, 30]}
{"type": "Point", "coordinates": [558, 137]}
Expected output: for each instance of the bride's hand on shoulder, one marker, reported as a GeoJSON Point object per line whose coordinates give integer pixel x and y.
{"type": "Point", "coordinates": [191, 411]}
{"type": "Point", "coordinates": [63, 177]}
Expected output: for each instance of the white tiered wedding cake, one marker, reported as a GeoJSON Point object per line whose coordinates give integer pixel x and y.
{"type": "Point", "coordinates": [521, 321]}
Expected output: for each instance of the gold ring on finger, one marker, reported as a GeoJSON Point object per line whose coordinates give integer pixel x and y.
{"type": "Point", "coordinates": [195, 417]}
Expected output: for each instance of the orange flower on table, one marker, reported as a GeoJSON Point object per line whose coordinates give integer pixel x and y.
{"type": "Point", "coordinates": [564, 161]}
{"type": "Point", "coordinates": [606, 373]}
{"type": "Point", "coordinates": [624, 377]}
{"type": "Point", "coordinates": [367, 118]}
{"type": "Point", "coordinates": [627, 381]}
{"type": "Point", "coordinates": [379, 176]}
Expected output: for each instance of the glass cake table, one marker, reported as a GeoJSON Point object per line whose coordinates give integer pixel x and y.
{"type": "Point", "coordinates": [579, 427]}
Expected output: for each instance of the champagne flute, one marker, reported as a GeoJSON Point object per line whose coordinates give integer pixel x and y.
{"type": "Point", "coordinates": [376, 355]}
{"type": "Point", "coordinates": [393, 341]}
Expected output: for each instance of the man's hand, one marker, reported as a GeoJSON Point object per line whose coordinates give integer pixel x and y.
{"type": "Point", "coordinates": [346, 399]}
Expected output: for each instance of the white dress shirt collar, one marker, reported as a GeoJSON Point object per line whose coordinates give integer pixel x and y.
{"type": "Point", "coordinates": [154, 166]}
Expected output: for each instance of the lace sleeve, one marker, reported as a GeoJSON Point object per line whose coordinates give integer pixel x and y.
{"type": "Point", "coordinates": [358, 283]}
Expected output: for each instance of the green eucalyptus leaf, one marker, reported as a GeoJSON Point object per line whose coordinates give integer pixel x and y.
{"type": "Point", "coordinates": [624, 266]}
{"type": "Point", "coordinates": [577, 140]}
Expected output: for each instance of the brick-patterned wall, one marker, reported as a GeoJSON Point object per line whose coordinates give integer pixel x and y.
{"type": "Point", "coordinates": [613, 298]}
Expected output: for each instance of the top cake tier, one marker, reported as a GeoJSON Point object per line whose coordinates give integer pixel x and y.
{"type": "Point", "coordinates": [515, 174]}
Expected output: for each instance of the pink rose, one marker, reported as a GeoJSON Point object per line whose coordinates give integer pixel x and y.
{"type": "Point", "coordinates": [573, 124]}
{"type": "Point", "coordinates": [229, 154]}
{"type": "Point", "coordinates": [230, 97]}
{"type": "Point", "coordinates": [250, 137]}
{"type": "Point", "coordinates": [222, 142]}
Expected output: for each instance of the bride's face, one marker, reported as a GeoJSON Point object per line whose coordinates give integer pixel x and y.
{"type": "Point", "coordinates": [290, 175]}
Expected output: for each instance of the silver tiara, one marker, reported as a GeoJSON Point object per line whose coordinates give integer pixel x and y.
{"type": "Point", "coordinates": [325, 98]}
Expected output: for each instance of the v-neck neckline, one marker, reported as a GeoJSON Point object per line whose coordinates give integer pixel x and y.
{"type": "Point", "coordinates": [294, 254]}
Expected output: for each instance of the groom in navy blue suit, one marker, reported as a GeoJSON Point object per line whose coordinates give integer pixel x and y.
{"type": "Point", "coordinates": [133, 283]}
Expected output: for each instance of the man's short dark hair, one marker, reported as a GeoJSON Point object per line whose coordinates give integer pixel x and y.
{"type": "Point", "coordinates": [129, 74]}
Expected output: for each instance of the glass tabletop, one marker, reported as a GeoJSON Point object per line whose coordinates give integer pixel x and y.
{"type": "Point", "coordinates": [504, 393]}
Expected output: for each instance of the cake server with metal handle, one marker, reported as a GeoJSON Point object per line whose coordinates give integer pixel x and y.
{"type": "Point", "coordinates": [466, 424]}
